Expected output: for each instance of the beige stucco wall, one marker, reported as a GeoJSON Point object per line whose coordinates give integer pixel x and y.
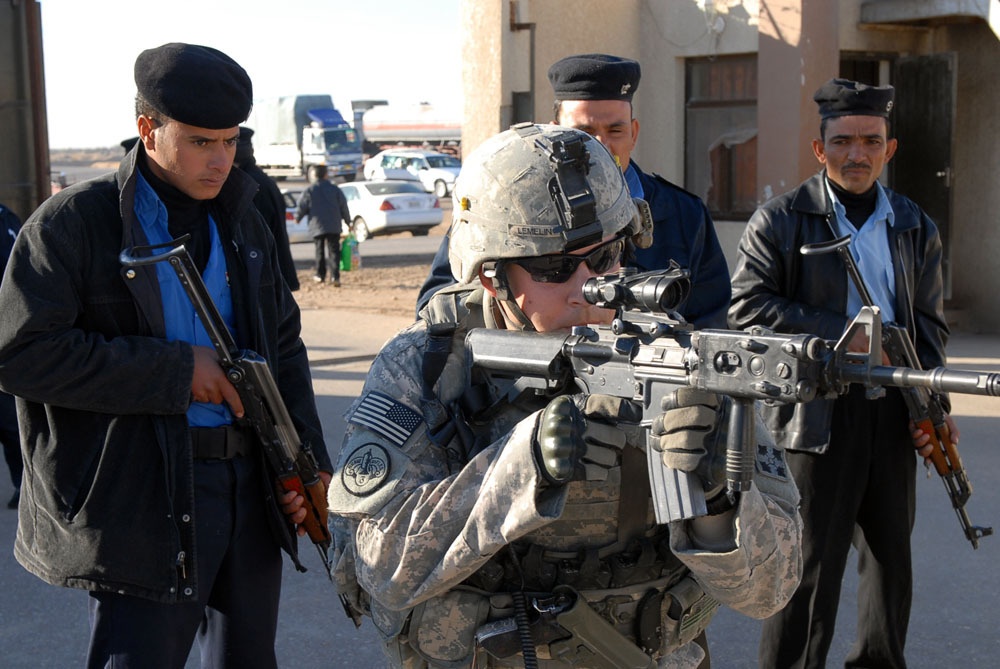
{"type": "Point", "coordinates": [503, 55]}
{"type": "Point", "coordinates": [482, 70]}
{"type": "Point", "coordinates": [975, 221]}
{"type": "Point", "coordinates": [798, 42]}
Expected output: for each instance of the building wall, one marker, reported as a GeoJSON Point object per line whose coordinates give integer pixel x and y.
{"type": "Point", "coordinates": [798, 44]}
{"type": "Point", "coordinates": [498, 59]}
{"type": "Point", "coordinates": [975, 232]}
{"type": "Point", "coordinates": [24, 179]}
{"type": "Point", "coordinates": [482, 70]}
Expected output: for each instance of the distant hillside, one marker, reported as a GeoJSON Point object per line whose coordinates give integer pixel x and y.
{"type": "Point", "coordinates": [86, 157]}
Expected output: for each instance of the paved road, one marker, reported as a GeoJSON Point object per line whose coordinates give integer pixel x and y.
{"type": "Point", "coordinates": [421, 248]}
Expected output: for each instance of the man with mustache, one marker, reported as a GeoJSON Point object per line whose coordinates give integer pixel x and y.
{"type": "Point", "coordinates": [853, 458]}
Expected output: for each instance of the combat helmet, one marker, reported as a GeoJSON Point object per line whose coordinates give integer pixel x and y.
{"type": "Point", "coordinates": [535, 190]}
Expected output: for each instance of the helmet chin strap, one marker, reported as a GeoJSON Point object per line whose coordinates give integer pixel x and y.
{"type": "Point", "coordinates": [505, 305]}
{"type": "Point", "coordinates": [505, 315]}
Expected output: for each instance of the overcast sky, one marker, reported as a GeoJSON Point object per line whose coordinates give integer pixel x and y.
{"type": "Point", "coordinates": [403, 51]}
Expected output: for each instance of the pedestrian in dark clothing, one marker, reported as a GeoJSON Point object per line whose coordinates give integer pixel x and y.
{"type": "Point", "coordinates": [10, 225]}
{"type": "Point", "coordinates": [270, 203]}
{"type": "Point", "coordinates": [853, 457]}
{"type": "Point", "coordinates": [325, 205]}
{"type": "Point", "coordinates": [145, 487]}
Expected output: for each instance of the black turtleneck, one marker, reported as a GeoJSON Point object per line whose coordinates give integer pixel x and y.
{"type": "Point", "coordinates": [859, 207]}
{"type": "Point", "coordinates": [185, 215]}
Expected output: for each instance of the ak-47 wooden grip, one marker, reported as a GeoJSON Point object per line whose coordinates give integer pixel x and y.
{"type": "Point", "coordinates": [315, 505]}
{"type": "Point", "coordinates": [944, 456]}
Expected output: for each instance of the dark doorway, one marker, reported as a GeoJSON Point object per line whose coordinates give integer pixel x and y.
{"type": "Point", "coordinates": [924, 120]}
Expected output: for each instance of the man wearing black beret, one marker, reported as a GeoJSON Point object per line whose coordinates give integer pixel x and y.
{"type": "Point", "coordinates": [594, 93]}
{"type": "Point", "coordinates": [143, 487]}
{"type": "Point", "coordinates": [853, 458]}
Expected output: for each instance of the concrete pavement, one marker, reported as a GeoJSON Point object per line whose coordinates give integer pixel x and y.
{"type": "Point", "coordinates": [955, 595]}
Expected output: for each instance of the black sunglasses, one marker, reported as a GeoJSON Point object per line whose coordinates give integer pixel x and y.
{"type": "Point", "coordinates": [559, 267]}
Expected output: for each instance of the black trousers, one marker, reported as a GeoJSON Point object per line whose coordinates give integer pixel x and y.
{"type": "Point", "coordinates": [239, 578]}
{"type": "Point", "coordinates": [328, 244]}
{"type": "Point", "coordinates": [10, 438]}
{"type": "Point", "coordinates": [861, 491]}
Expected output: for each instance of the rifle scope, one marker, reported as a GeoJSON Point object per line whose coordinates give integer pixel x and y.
{"type": "Point", "coordinates": [659, 291]}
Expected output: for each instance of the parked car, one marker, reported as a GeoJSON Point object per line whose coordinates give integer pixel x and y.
{"type": "Point", "coordinates": [436, 171]}
{"type": "Point", "coordinates": [385, 207]}
{"type": "Point", "coordinates": [297, 232]}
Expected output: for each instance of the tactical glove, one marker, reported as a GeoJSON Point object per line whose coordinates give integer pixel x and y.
{"type": "Point", "coordinates": [688, 436]}
{"type": "Point", "coordinates": [576, 439]}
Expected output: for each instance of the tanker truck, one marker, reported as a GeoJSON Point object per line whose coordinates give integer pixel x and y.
{"type": "Point", "coordinates": [295, 133]}
{"type": "Point", "coordinates": [417, 126]}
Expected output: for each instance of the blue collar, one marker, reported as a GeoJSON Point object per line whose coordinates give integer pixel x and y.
{"type": "Point", "coordinates": [632, 181]}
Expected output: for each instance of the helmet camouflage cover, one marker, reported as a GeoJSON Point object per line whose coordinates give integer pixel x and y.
{"type": "Point", "coordinates": [535, 190]}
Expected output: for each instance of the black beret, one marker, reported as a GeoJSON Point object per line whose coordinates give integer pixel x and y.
{"type": "Point", "coordinates": [244, 146]}
{"type": "Point", "coordinates": [843, 97]}
{"type": "Point", "coordinates": [594, 76]}
{"type": "Point", "coordinates": [196, 85]}
{"type": "Point", "coordinates": [245, 137]}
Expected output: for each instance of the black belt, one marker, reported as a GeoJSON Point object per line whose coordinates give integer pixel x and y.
{"type": "Point", "coordinates": [219, 443]}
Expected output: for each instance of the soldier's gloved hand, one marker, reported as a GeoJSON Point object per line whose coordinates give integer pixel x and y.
{"type": "Point", "coordinates": [576, 439]}
{"type": "Point", "coordinates": [688, 437]}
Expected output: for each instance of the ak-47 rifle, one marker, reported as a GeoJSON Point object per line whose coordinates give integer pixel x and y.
{"type": "Point", "coordinates": [926, 408]}
{"type": "Point", "coordinates": [291, 461]}
{"type": "Point", "coordinates": [648, 352]}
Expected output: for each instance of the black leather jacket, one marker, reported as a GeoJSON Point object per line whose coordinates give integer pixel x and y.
{"type": "Point", "coordinates": [776, 286]}
{"type": "Point", "coordinates": [107, 501]}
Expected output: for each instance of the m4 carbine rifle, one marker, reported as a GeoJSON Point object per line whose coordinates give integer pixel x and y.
{"type": "Point", "coordinates": [648, 351]}
{"type": "Point", "coordinates": [925, 407]}
{"type": "Point", "coordinates": [292, 462]}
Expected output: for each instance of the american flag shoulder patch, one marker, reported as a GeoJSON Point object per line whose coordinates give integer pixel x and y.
{"type": "Point", "coordinates": [391, 419]}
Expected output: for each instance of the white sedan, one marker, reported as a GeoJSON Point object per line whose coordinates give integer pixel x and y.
{"type": "Point", "coordinates": [386, 207]}
{"type": "Point", "coordinates": [298, 231]}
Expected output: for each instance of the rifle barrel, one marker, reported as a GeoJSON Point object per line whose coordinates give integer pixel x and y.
{"type": "Point", "coordinates": [938, 379]}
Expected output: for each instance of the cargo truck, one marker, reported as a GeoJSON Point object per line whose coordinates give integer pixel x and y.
{"type": "Point", "coordinates": [295, 133]}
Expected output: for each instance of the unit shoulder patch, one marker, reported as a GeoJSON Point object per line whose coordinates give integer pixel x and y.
{"type": "Point", "coordinates": [367, 469]}
{"type": "Point", "coordinates": [771, 462]}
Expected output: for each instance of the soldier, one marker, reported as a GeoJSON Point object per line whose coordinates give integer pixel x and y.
{"type": "Point", "coordinates": [458, 507]}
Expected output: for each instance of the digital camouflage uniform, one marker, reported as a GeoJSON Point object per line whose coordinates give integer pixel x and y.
{"type": "Point", "coordinates": [433, 537]}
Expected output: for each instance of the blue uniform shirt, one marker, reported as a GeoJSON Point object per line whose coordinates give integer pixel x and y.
{"type": "Point", "coordinates": [870, 249]}
{"type": "Point", "coordinates": [180, 318]}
